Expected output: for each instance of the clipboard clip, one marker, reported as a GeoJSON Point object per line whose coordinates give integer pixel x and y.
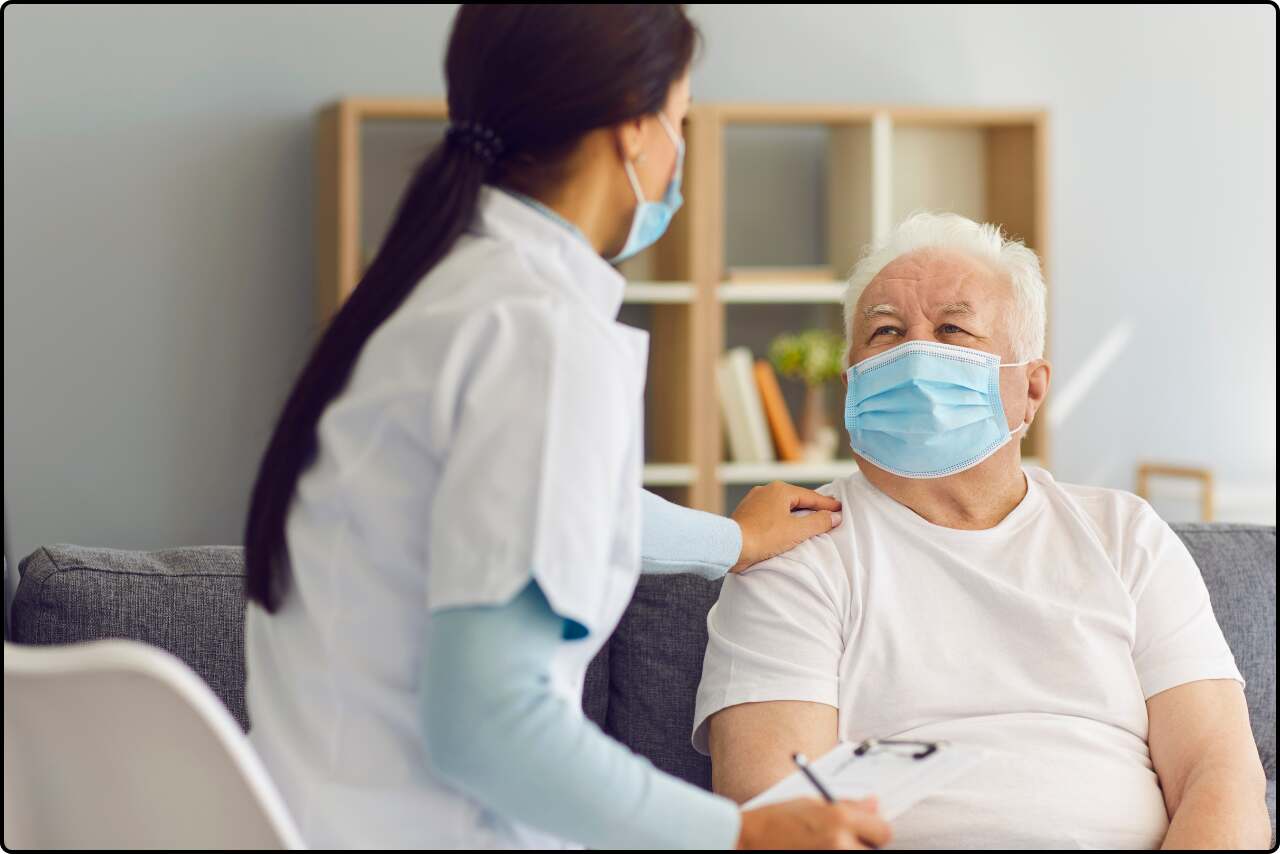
{"type": "Point", "coordinates": [928, 747]}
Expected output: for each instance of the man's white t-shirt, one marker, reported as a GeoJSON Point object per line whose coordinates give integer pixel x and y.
{"type": "Point", "coordinates": [1039, 639]}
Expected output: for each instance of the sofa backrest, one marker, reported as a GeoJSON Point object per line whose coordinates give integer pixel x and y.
{"type": "Point", "coordinates": [189, 601]}
{"type": "Point", "coordinates": [640, 689]}
{"type": "Point", "coordinates": [1238, 563]}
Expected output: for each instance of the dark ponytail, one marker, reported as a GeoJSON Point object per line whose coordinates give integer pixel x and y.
{"type": "Point", "coordinates": [539, 76]}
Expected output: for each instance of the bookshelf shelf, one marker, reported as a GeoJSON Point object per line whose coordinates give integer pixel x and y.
{"type": "Point", "coordinates": [659, 292]}
{"type": "Point", "coordinates": [781, 292]}
{"type": "Point", "coordinates": [730, 271]}
{"type": "Point", "coordinates": [668, 474]}
{"type": "Point", "coordinates": [803, 473]}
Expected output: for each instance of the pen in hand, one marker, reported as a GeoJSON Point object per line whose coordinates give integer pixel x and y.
{"type": "Point", "coordinates": [803, 765]}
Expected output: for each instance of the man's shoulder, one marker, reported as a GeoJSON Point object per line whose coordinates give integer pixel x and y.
{"type": "Point", "coordinates": [848, 487]}
{"type": "Point", "coordinates": [824, 555]}
{"type": "Point", "coordinates": [1117, 516]}
{"type": "Point", "coordinates": [1110, 499]}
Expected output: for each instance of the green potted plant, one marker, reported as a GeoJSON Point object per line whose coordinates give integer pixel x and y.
{"type": "Point", "coordinates": [814, 357]}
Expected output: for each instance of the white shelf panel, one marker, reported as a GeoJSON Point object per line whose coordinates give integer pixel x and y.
{"type": "Point", "coordinates": [803, 473]}
{"type": "Point", "coordinates": [658, 292]}
{"type": "Point", "coordinates": [668, 474]}
{"type": "Point", "coordinates": [739, 473]}
{"type": "Point", "coordinates": [782, 292]}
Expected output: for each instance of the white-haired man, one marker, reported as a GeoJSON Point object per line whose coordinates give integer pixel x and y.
{"type": "Point", "coordinates": [1065, 629]}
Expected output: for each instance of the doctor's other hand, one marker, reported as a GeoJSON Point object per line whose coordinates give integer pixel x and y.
{"type": "Point", "coordinates": [770, 528]}
{"type": "Point", "coordinates": [812, 824]}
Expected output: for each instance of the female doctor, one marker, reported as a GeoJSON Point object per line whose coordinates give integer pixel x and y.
{"type": "Point", "coordinates": [447, 522]}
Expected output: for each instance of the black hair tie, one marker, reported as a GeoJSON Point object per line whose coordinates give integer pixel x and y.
{"type": "Point", "coordinates": [477, 138]}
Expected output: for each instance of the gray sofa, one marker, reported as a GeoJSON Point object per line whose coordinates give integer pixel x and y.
{"type": "Point", "coordinates": [641, 687]}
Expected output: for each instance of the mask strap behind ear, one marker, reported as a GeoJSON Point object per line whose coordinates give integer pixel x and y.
{"type": "Point", "coordinates": [671, 131]}
{"type": "Point", "coordinates": [635, 182]}
{"type": "Point", "coordinates": [1025, 424]}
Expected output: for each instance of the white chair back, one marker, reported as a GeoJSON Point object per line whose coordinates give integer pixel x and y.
{"type": "Point", "coordinates": [117, 744]}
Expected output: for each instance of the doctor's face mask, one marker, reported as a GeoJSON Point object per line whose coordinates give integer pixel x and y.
{"type": "Point", "coordinates": [652, 218]}
{"type": "Point", "coordinates": [926, 409]}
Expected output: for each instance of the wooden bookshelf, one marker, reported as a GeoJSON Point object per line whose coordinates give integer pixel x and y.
{"type": "Point", "coordinates": [693, 290]}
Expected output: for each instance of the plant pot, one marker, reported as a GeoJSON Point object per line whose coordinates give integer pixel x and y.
{"type": "Point", "coordinates": [816, 432]}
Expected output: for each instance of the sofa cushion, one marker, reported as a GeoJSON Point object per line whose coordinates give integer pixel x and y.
{"type": "Point", "coordinates": [640, 689]}
{"type": "Point", "coordinates": [655, 665]}
{"type": "Point", "coordinates": [189, 601]}
{"type": "Point", "coordinates": [1238, 563]}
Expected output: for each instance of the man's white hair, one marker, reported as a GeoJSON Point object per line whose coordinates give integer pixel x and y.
{"type": "Point", "coordinates": [927, 230]}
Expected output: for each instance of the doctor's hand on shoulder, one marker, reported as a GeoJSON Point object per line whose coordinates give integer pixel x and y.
{"type": "Point", "coordinates": [771, 524]}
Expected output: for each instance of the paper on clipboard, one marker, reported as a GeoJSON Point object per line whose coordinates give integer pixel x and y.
{"type": "Point", "coordinates": [890, 773]}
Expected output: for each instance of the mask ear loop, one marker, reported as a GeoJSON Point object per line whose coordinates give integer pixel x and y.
{"type": "Point", "coordinates": [630, 170]}
{"type": "Point", "coordinates": [635, 182]}
{"type": "Point", "coordinates": [1025, 425]}
{"type": "Point", "coordinates": [677, 141]}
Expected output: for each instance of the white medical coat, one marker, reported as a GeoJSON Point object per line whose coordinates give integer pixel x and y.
{"type": "Point", "coordinates": [491, 429]}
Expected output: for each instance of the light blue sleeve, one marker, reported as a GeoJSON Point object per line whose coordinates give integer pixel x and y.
{"type": "Point", "coordinates": [677, 539]}
{"type": "Point", "coordinates": [495, 730]}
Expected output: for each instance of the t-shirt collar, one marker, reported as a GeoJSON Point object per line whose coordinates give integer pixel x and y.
{"type": "Point", "coordinates": [1024, 510]}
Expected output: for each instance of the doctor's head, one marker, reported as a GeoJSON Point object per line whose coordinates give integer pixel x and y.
{"type": "Point", "coordinates": [588, 102]}
{"type": "Point", "coordinates": [937, 283]}
{"type": "Point", "coordinates": [580, 104]}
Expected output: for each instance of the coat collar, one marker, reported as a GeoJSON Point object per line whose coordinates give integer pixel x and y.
{"type": "Point", "coordinates": [551, 247]}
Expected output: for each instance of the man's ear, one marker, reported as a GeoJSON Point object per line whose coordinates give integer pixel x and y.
{"type": "Point", "coordinates": [1037, 387]}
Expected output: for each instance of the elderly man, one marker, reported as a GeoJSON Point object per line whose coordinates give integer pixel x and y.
{"type": "Point", "coordinates": [1065, 629]}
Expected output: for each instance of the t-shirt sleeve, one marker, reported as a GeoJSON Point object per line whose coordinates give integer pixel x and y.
{"type": "Point", "coordinates": [1177, 639]}
{"type": "Point", "coordinates": [776, 633]}
{"type": "Point", "coordinates": [540, 430]}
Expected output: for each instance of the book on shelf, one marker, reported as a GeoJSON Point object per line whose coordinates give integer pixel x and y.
{"type": "Point", "coordinates": [781, 426]}
{"type": "Point", "coordinates": [741, 408]}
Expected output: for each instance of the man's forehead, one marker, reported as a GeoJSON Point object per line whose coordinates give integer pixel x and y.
{"type": "Point", "coordinates": [932, 281]}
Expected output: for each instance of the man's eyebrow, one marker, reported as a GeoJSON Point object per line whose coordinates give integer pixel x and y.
{"type": "Point", "coordinates": [957, 308]}
{"type": "Point", "coordinates": [881, 310]}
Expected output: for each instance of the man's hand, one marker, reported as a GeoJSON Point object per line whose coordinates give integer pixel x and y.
{"type": "Point", "coordinates": [769, 527]}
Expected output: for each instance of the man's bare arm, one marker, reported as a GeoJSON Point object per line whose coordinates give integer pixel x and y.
{"type": "Point", "coordinates": [1207, 762]}
{"type": "Point", "coordinates": [751, 743]}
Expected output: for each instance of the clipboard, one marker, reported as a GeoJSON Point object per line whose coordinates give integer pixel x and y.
{"type": "Point", "coordinates": [899, 773]}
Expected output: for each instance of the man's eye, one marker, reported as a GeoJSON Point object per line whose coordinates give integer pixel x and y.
{"type": "Point", "coordinates": [949, 328]}
{"type": "Point", "coordinates": [886, 329]}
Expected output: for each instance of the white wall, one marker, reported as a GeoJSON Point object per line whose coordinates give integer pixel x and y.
{"type": "Point", "coordinates": [158, 253]}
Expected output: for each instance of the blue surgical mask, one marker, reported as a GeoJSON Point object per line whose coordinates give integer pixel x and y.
{"type": "Point", "coordinates": [925, 409]}
{"type": "Point", "coordinates": [652, 218]}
